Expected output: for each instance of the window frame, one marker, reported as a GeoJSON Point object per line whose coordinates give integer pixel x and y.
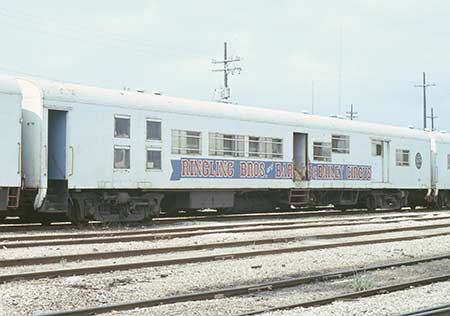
{"type": "Point", "coordinates": [340, 138]}
{"type": "Point", "coordinates": [122, 117]}
{"type": "Point", "coordinates": [265, 147]}
{"type": "Point", "coordinates": [122, 147]}
{"type": "Point", "coordinates": [216, 145]}
{"type": "Point", "coordinates": [448, 161]}
{"type": "Point", "coordinates": [323, 144]}
{"type": "Point", "coordinates": [378, 144]}
{"type": "Point", "coordinates": [400, 153]}
{"type": "Point", "coordinates": [153, 120]}
{"type": "Point", "coordinates": [153, 149]}
{"type": "Point", "coordinates": [186, 150]}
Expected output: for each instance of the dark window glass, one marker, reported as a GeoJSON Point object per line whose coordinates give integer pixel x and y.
{"type": "Point", "coordinates": [121, 127]}
{"type": "Point", "coordinates": [153, 130]}
{"type": "Point", "coordinates": [153, 159]}
{"type": "Point", "coordinates": [121, 158]}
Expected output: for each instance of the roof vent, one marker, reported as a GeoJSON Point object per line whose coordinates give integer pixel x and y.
{"type": "Point", "coordinates": [140, 90]}
{"type": "Point", "coordinates": [333, 116]}
{"type": "Point", "coordinates": [340, 117]}
{"type": "Point", "coordinates": [157, 92]}
{"type": "Point", "coordinates": [305, 112]}
{"type": "Point", "coordinates": [427, 130]}
{"type": "Point", "coordinates": [411, 126]}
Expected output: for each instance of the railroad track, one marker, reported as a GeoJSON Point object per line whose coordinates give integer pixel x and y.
{"type": "Point", "coordinates": [183, 232]}
{"type": "Point", "coordinates": [185, 248]}
{"type": "Point", "coordinates": [15, 225]}
{"type": "Point", "coordinates": [211, 227]}
{"type": "Point", "coordinates": [268, 286]}
{"type": "Point", "coordinates": [205, 258]}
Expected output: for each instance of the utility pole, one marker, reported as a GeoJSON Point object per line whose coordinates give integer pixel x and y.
{"type": "Point", "coordinates": [351, 114]}
{"type": "Point", "coordinates": [227, 61]}
{"type": "Point", "coordinates": [432, 117]}
{"type": "Point", "coordinates": [424, 85]}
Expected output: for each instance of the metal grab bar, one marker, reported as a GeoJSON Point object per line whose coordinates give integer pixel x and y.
{"type": "Point", "coordinates": [19, 162]}
{"type": "Point", "coordinates": [72, 155]}
{"type": "Point", "coordinates": [46, 160]}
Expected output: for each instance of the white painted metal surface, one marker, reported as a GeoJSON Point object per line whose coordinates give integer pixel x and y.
{"type": "Point", "coordinates": [441, 168]}
{"type": "Point", "coordinates": [91, 141]}
{"type": "Point", "coordinates": [10, 128]}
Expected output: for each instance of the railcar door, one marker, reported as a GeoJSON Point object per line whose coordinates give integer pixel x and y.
{"type": "Point", "coordinates": [380, 161]}
{"type": "Point", "coordinates": [300, 157]}
{"type": "Point", "coordinates": [57, 194]}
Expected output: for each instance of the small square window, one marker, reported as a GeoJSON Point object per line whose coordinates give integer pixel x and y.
{"type": "Point", "coordinates": [153, 159]}
{"type": "Point", "coordinates": [377, 148]}
{"type": "Point", "coordinates": [121, 157]}
{"type": "Point", "coordinates": [402, 157]}
{"type": "Point", "coordinates": [153, 130]}
{"type": "Point", "coordinates": [121, 126]}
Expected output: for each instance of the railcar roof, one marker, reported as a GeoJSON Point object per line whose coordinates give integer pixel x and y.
{"type": "Point", "coordinates": [77, 93]}
{"type": "Point", "coordinates": [9, 86]}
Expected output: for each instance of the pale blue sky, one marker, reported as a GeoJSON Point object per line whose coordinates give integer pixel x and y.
{"type": "Point", "coordinates": [168, 46]}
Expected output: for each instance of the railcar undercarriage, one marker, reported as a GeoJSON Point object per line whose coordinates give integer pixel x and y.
{"type": "Point", "coordinates": [81, 206]}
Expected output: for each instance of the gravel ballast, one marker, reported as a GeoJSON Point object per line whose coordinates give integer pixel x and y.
{"type": "Point", "coordinates": [124, 286]}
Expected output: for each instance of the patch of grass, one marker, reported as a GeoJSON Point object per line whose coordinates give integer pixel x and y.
{"type": "Point", "coordinates": [62, 263]}
{"type": "Point", "coordinates": [361, 283]}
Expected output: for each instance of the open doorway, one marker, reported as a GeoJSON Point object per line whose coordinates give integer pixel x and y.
{"type": "Point", "coordinates": [57, 195]}
{"type": "Point", "coordinates": [300, 157]}
{"type": "Point", "coordinates": [57, 121]}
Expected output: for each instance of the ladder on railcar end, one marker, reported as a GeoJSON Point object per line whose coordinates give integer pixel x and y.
{"type": "Point", "coordinates": [299, 197]}
{"type": "Point", "coordinates": [13, 197]}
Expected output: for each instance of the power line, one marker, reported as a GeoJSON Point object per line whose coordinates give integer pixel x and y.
{"type": "Point", "coordinates": [227, 69]}
{"type": "Point", "coordinates": [424, 85]}
{"type": "Point", "coordinates": [67, 32]}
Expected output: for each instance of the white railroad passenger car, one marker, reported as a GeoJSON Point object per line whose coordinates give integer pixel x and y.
{"type": "Point", "coordinates": [10, 145]}
{"type": "Point", "coordinates": [121, 155]}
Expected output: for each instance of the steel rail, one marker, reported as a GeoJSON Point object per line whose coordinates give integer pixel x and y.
{"type": "Point", "coordinates": [372, 292]}
{"type": "Point", "coordinates": [135, 238]}
{"type": "Point", "coordinates": [432, 311]}
{"type": "Point", "coordinates": [298, 214]}
{"type": "Point", "coordinates": [243, 290]}
{"type": "Point", "coordinates": [6, 226]}
{"type": "Point", "coordinates": [197, 259]}
{"type": "Point", "coordinates": [151, 251]}
{"type": "Point", "coordinates": [382, 220]}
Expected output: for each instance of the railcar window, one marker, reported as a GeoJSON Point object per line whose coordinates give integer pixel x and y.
{"type": "Point", "coordinates": [121, 157]}
{"type": "Point", "coordinates": [402, 157]}
{"type": "Point", "coordinates": [254, 144]}
{"type": "Point", "coordinates": [226, 145]}
{"type": "Point", "coordinates": [153, 159]}
{"type": "Point", "coordinates": [448, 161]}
{"type": "Point", "coordinates": [322, 151]}
{"type": "Point", "coordinates": [122, 126]}
{"type": "Point", "coordinates": [277, 148]}
{"type": "Point", "coordinates": [153, 130]}
{"type": "Point", "coordinates": [377, 148]}
{"type": "Point", "coordinates": [186, 142]}
{"type": "Point", "coordinates": [265, 147]}
{"type": "Point", "coordinates": [340, 144]}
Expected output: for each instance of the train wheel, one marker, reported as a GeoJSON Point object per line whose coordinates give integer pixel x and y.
{"type": "Point", "coordinates": [371, 203]}
{"type": "Point", "coordinates": [76, 215]}
{"type": "Point", "coordinates": [442, 201]}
